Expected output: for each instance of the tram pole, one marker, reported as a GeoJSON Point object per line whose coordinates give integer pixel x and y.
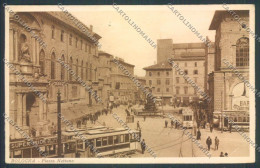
{"type": "Point", "coordinates": [59, 124]}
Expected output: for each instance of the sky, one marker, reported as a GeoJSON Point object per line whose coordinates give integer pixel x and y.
{"type": "Point", "coordinates": [120, 39]}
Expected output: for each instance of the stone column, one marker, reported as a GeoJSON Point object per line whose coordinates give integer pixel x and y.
{"type": "Point", "coordinates": [45, 107]}
{"type": "Point", "coordinates": [37, 50]}
{"type": "Point", "coordinates": [11, 44]}
{"type": "Point", "coordinates": [40, 113]}
{"type": "Point", "coordinates": [24, 109]}
{"type": "Point", "coordinates": [16, 54]}
{"type": "Point", "coordinates": [19, 109]}
{"type": "Point", "coordinates": [33, 50]}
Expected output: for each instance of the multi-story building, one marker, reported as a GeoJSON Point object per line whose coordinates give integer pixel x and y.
{"type": "Point", "coordinates": [190, 58]}
{"type": "Point", "coordinates": [39, 65]}
{"type": "Point", "coordinates": [228, 92]}
{"type": "Point", "coordinates": [122, 87]}
{"type": "Point", "coordinates": [159, 79]}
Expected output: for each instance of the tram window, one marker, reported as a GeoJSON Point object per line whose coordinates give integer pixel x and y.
{"type": "Point", "coordinates": [36, 152]}
{"type": "Point", "coordinates": [244, 119]}
{"type": "Point", "coordinates": [239, 119]}
{"type": "Point", "coordinates": [18, 154]}
{"type": "Point", "coordinates": [116, 139]}
{"type": "Point", "coordinates": [121, 138]}
{"type": "Point", "coordinates": [127, 138]}
{"type": "Point", "coordinates": [80, 144]}
{"type": "Point", "coordinates": [27, 153]}
{"type": "Point", "coordinates": [110, 140]}
{"type": "Point", "coordinates": [104, 141]}
{"type": "Point", "coordinates": [98, 142]}
{"type": "Point", "coordinates": [70, 147]}
{"type": "Point", "coordinates": [52, 149]}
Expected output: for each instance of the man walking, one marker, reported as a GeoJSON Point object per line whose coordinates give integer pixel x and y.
{"type": "Point", "coordinates": [208, 142]}
{"type": "Point", "coordinates": [138, 125]}
{"type": "Point", "coordinates": [211, 127]}
{"type": "Point", "coordinates": [198, 135]}
{"type": "Point", "coordinates": [143, 145]}
{"type": "Point", "coordinates": [166, 123]}
{"type": "Point", "coordinates": [216, 143]}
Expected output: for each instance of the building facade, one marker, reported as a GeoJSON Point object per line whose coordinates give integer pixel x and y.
{"type": "Point", "coordinates": [159, 78]}
{"type": "Point", "coordinates": [228, 92]}
{"type": "Point", "coordinates": [39, 65]}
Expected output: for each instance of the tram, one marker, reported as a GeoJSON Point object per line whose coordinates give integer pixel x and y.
{"type": "Point", "coordinates": [107, 141]}
{"type": "Point", "coordinates": [187, 118]}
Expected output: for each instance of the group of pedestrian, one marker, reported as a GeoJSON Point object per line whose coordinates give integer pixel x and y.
{"type": "Point", "coordinates": [209, 142]}
{"type": "Point", "coordinates": [223, 155]}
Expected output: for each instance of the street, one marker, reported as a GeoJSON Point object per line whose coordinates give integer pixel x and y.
{"type": "Point", "coordinates": [169, 142]}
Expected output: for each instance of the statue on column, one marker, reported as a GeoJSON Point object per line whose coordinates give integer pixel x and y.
{"type": "Point", "coordinates": [25, 51]}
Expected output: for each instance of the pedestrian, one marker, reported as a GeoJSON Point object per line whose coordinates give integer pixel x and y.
{"type": "Point", "coordinates": [216, 143]}
{"type": "Point", "coordinates": [172, 123]}
{"type": "Point", "coordinates": [144, 117]}
{"type": "Point", "coordinates": [211, 127]}
{"type": "Point", "coordinates": [198, 135]}
{"type": "Point", "coordinates": [166, 123]}
{"type": "Point", "coordinates": [226, 154]}
{"type": "Point", "coordinates": [143, 145]}
{"type": "Point", "coordinates": [140, 134]}
{"type": "Point", "coordinates": [209, 142]}
{"type": "Point", "coordinates": [230, 127]}
{"type": "Point", "coordinates": [138, 125]}
{"type": "Point", "coordinates": [221, 154]}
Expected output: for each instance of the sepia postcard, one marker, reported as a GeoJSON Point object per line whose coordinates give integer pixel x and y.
{"type": "Point", "coordinates": [130, 84]}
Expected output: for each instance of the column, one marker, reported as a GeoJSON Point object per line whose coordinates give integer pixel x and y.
{"type": "Point", "coordinates": [24, 109]}
{"type": "Point", "coordinates": [37, 50]}
{"type": "Point", "coordinates": [11, 44]}
{"type": "Point", "coordinates": [33, 50]}
{"type": "Point", "coordinates": [16, 46]}
{"type": "Point", "coordinates": [40, 113]}
{"type": "Point", "coordinates": [45, 107]}
{"type": "Point", "coordinates": [19, 109]}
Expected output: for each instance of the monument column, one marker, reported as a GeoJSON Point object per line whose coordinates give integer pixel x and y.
{"type": "Point", "coordinates": [24, 109]}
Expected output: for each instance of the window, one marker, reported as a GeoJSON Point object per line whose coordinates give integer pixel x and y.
{"type": "Point", "coordinates": [158, 73]}
{"type": "Point", "coordinates": [177, 90]}
{"type": "Point", "coordinates": [53, 65]}
{"type": "Point", "coordinates": [127, 138]}
{"type": "Point", "coordinates": [167, 89]}
{"type": "Point", "coordinates": [76, 42]}
{"type": "Point", "coordinates": [81, 44]}
{"type": "Point", "coordinates": [150, 82]}
{"type": "Point", "coordinates": [150, 73]}
{"type": "Point", "coordinates": [242, 52]}
{"type": "Point", "coordinates": [186, 72]}
{"type": "Point", "coordinates": [42, 62]}
{"type": "Point", "coordinates": [52, 32]}
{"type": "Point", "coordinates": [81, 75]}
{"type": "Point", "coordinates": [167, 82]}
{"type": "Point", "coordinates": [177, 80]}
{"type": "Point", "coordinates": [110, 140]}
{"type": "Point", "coordinates": [158, 90]}
{"type": "Point", "coordinates": [62, 36]}
{"type": "Point", "coordinates": [158, 81]}
{"type": "Point", "coordinates": [77, 69]}
{"type": "Point", "coordinates": [86, 71]}
{"type": "Point", "coordinates": [122, 138]}
{"type": "Point", "coordinates": [195, 72]}
{"type": "Point", "coordinates": [70, 39]}
{"type": "Point", "coordinates": [185, 90]}
{"type": "Point", "coordinates": [104, 141]}
{"type": "Point", "coordinates": [71, 64]}
{"type": "Point", "coordinates": [195, 64]}
{"type": "Point", "coordinates": [98, 142]}
{"type": "Point", "coordinates": [117, 85]}
{"type": "Point", "coordinates": [116, 139]}
{"type": "Point", "coordinates": [62, 70]}
{"type": "Point", "coordinates": [167, 73]}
